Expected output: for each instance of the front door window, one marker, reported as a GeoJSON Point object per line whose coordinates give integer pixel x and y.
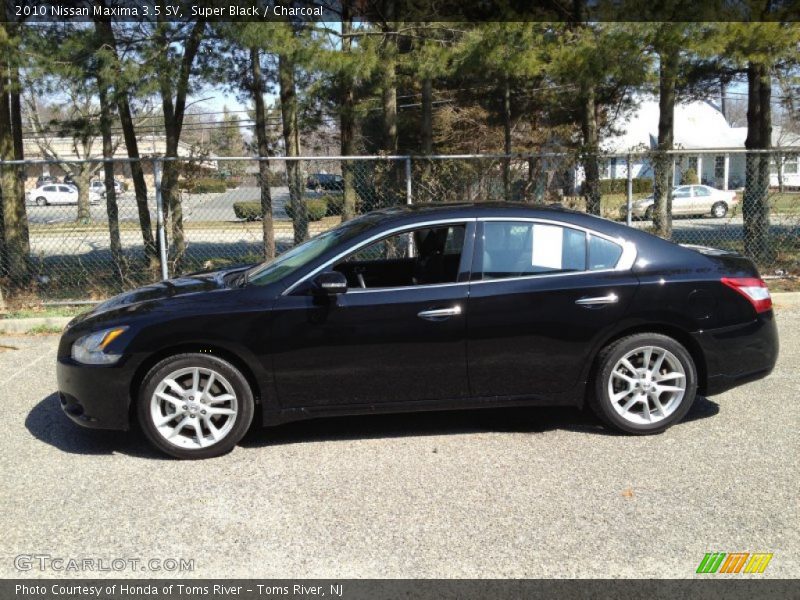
{"type": "Point", "coordinates": [425, 256]}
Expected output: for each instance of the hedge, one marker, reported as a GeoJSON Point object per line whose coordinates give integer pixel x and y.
{"type": "Point", "coordinates": [206, 185]}
{"type": "Point", "coordinates": [641, 185]}
{"type": "Point", "coordinates": [316, 209]}
{"type": "Point", "coordinates": [335, 204]}
{"type": "Point", "coordinates": [249, 211]}
{"type": "Point", "coordinates": [690, 177]}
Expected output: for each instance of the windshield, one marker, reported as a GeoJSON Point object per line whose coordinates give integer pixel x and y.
{"type": "Point", "coordinates": [292, 260]}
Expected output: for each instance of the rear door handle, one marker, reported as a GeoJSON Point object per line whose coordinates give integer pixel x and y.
{"type": "Point", "coordinates": [440, 314]}
{"type": "Point", "coordinates": [598, 300]}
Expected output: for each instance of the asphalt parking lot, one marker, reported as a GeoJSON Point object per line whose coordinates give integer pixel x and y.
{"type": "Point", "coordinates": [512, 493]}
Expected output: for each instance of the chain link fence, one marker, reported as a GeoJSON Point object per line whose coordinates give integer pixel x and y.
{"type": "Point", "coordinates": [188, 215]}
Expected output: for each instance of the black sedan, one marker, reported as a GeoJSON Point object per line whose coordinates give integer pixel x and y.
{"type": "Point", "coordinates": [325, 181]}
{"type": "Point", "coordinates": [425, 308]}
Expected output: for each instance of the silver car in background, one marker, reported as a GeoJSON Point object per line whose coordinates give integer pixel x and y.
{"type": "Point", "coordinates": [689, 200]}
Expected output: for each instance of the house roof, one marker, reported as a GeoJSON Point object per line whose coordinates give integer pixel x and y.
{"type": "Point", "coordinates": [698, 124]}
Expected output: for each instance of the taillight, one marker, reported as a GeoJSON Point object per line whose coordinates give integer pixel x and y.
{"type": "Point", "coordinates": [752, 288]}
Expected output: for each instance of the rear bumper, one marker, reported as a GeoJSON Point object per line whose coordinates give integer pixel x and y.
{"type": "Point", "coordinates": [738, 354]}
{"type": "Point", "coordinates": [94, 396]}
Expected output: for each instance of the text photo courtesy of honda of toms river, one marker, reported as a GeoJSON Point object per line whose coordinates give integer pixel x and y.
{"type": "Point", "coordinates": [424, 308]}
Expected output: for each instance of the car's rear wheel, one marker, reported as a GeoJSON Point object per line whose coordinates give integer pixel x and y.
{"type": "Point", "coordinates": [719, 210]}
{"type": "Point", "coordinates": [195, 406]}
{"type": "Point", "coordinates": [645, 383]}
{"type": "Point", "coordinates": [41, 201]}
{"type": "Point", "coordinates": [649, 213]}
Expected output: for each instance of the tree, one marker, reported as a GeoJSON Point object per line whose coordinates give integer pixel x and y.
{"type": "Point", "coordinates": [71, 72]}
{"type": "Point", "coordinates": [291, 140]}
{"type": "Point", "coordinates": [104, 72]}
{"type": "Point", "coordinates": [257, 88]}
{"type": "Point", "coordinates": [174, 76]}
{"type": "Point", "coordinates": [77, 121]}
{"type": "Point", "coordinates": [760, 48]}
{"type": "Point", "coordinates": [347, 81]}
{"type": "Point", "coordinates": [226, 138]}
{"type": "Point", "coordinates": [15, 248]}
{"type": "Point", "coordinates": [125, 73]}
{"type": "Point", "coordinates": [668, 41]}
{"type": "Point", "coordinates": [240, 68]}
{"type": "Point", "coordinates": [594, 67]}
{"type": "Point", "coordinates": [507, 55]}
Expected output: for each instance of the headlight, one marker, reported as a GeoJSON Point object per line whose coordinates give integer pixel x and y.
{"type": "Point", "coordinates": [91, 349]}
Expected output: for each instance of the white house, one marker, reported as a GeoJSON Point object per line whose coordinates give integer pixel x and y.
{"type": "Point", "coordinates": [713, 148]}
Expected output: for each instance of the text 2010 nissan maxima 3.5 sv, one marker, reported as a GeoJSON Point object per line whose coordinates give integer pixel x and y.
{"type": "Point", "coordinates": [406, 309]}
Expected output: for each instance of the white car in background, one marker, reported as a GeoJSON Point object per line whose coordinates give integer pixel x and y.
{"type": "Point", "coordinates": [690, 200]}
{"type": "Point", "coordinates": [58, 193]}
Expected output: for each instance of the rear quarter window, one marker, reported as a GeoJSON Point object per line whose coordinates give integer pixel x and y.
{"type": "Point", "coordinates": [603, 253]}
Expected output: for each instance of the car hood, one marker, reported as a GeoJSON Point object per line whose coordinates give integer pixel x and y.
{"type": "Point", "coordinates": [151, 296]}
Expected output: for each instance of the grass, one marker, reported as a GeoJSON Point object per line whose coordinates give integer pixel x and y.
{"type": "Point", "coordinates": [44, 330]}
{"type": "Point", "coordinates": [786, 204]}
{"type": "Point", "coordinates": [33, 311]}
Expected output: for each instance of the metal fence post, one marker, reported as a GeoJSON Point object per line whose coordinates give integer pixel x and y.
{"type": "Point", "coordinates": [408, 180]}
{"type": "Point", "coordinates": [162, 238]}
{"type": "Point", "coordinates": [629, 192]}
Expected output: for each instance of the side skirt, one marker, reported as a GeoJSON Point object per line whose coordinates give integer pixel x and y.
{"type": "Point", "coordinates": [285, 415]}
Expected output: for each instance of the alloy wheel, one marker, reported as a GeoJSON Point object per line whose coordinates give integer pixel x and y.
{"type": "Point", "coordinates": [194, 407]}
{"type": "Point", "coordinates": [719, 210]}
{"type": "Point", "coordinates": [647, 385]}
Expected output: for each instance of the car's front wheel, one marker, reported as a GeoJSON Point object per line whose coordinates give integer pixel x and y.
{"type": "Point", "coordinates": [195, 406]}
{"type": "Point", "coordinates": [41, 201]}
{"type": "Point", "coordinates": [645, 383]}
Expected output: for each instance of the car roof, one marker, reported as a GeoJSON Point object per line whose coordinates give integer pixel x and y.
{"type": "Point", "coordinates": [482, 210]}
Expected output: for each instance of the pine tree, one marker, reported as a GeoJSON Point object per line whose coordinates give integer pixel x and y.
{"type": "Point", "coordinates": [759, 49]}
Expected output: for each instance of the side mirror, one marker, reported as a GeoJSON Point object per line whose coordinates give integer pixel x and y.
{"type": "Point", "coordinates": [330, 283]}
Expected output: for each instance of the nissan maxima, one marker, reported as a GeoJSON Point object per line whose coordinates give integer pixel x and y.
{"type": "Point", "coordinates": [424, 308]}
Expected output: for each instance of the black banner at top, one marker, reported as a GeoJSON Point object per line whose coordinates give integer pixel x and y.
{"type": "Point", "coordinates": [404, 10]}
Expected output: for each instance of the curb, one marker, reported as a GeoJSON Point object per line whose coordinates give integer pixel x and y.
{"type": "Point", "coordinates": [12, 326]}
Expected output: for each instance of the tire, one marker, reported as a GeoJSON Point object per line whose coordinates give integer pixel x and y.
{"type": "Point", "coordinates": [41, 201]}
{"type": "Point", "coordinates": [229, 392]}
{"type": "Point", "coordinates": [649, 213]}
{"type": "Point", "coordinates": [719, 210]}
{"type": "Point", "coordinates": [611, 375]}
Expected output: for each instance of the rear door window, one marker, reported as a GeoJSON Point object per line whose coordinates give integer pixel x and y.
{"type": "Point", "coordinates": [515, 249]}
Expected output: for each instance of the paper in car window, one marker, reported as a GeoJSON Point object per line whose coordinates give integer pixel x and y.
{"type": "Point", "coordinates": [547, 246]}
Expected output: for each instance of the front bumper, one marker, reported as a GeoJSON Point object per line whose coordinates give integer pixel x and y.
{"type": "Point", "coordinates": [739, 354]}
{"type": "Point", "coordinates": [94, 396]}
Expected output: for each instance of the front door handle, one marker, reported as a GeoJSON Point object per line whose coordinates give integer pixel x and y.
{"type": "Point", "coordinates": [440, 314]}
{"type": "Point", "coordinates": [598, 300]}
